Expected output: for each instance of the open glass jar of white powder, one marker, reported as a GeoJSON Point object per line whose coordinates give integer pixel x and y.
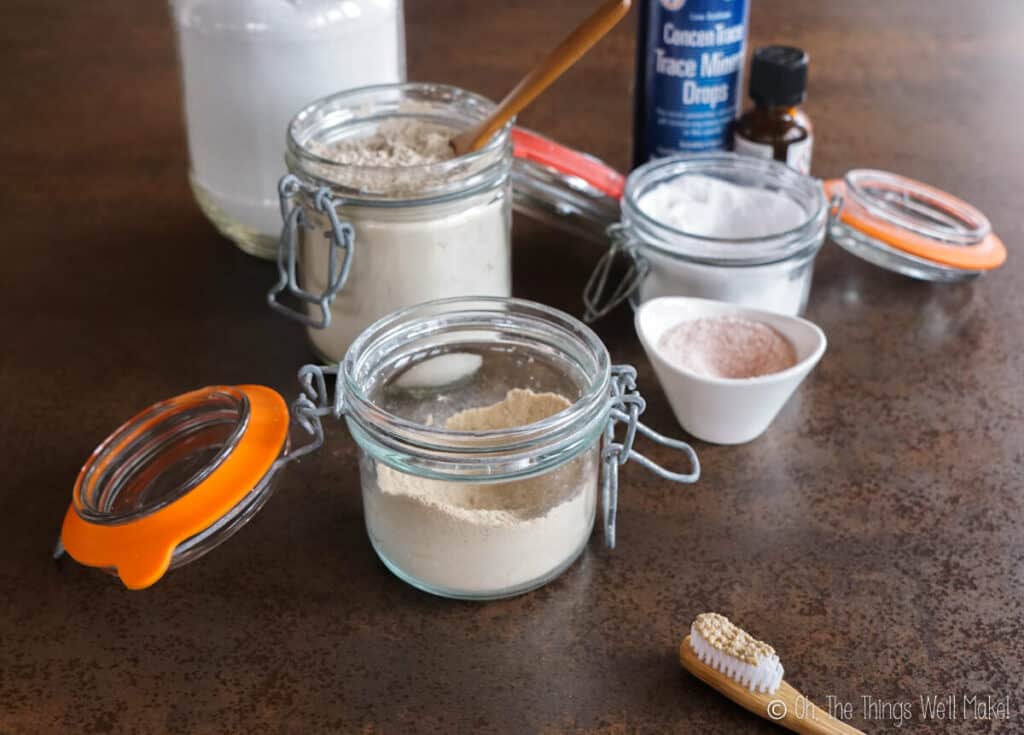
{"type": "Point", "coordinates": [743, 230]}
{"type": "Point", "coordinates": [717, 226]}
{"type": "Point", "coordinates": [490, 430]}
{"type": "Point", "coordinates": [380, 214]}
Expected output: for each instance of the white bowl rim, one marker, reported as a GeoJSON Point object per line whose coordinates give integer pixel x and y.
{"type": "Point", "coordinates": [795, 371]}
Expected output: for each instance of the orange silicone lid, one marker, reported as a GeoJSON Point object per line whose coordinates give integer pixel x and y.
{"type": "Point", "coordinates": [986, 254]}
{"type": "Point", "coordinates": [141, 549]}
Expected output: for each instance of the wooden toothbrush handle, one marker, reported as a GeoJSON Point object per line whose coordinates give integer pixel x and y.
{"type": "Point", "coordinates": [547, 71]}
{"type": "Point", "coordinates": [786, 706]}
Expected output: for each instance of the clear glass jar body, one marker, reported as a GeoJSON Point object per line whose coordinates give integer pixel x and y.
{"type": "Point", "coordinates": [476, 514]}
{"type": "Point", "coordinates": [420, 232]}
{"type": "Point", "coordinates": [247, 67]}
{"type": "Point", "coordinates": [772, 272]}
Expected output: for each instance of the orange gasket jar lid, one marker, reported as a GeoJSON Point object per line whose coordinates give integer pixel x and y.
{"type": "Point", "coordinates": [911, 228]}
{"type": "Point", "coordinates": [176, 480]}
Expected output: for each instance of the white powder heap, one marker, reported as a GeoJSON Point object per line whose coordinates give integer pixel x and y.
{"type": "Point", "coordinates": [710, 207]}
{"type": "Point", "coordinates": [485, 539]}
{"type": "Point", "coordinates": [727, 347]}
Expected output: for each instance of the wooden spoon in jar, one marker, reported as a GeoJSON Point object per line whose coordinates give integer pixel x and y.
{"type": "Point", "coordinates": [567, 53]}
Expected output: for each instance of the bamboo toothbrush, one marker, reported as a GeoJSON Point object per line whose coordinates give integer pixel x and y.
{"type": "Point", "coordinates": [749, 672]}
{"type": "Point", "coordinates": [540, 77]}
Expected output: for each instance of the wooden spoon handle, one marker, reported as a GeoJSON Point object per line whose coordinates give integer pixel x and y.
{"type": "Point", "coordinates": [541, 76]}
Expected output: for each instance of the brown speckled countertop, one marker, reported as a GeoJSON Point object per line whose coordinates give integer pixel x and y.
{"type": "Point", "coordinates": [873, 535]}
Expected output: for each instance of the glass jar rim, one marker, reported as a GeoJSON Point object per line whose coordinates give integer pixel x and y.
{"type": "Point", "coordinates": [432, 318]}
{"type": "Point", "coordinates": [794, 242]}
{"type": "Point", "coordinates": [310, 120]}
{"type": "Point", "coordinates": [917, 207]}
{"type": "Point", "coordinates": [121, 457]}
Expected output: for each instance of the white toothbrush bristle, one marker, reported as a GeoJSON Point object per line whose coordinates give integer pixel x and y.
{"type": "Point", "coordinates": [713, 636]}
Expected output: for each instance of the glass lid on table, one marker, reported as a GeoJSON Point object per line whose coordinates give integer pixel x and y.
{"type": "Point", "coordinates": [176, 480]}
{"type": "Point", "coordinates": [571, 190]}
{"type": "Point", "coordinates": [912, 228]}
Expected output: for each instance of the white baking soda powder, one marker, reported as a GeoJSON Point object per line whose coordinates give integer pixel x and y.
{"type": "Point", "coordinates": [481, 539]}
{"type": "Point", "coordinates": [710, 207]}
{"type": "Point", "coordinates": [717, 219]}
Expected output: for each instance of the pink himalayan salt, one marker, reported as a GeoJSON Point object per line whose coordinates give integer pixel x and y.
{"type": "Point", "coordinates": [726, 347]}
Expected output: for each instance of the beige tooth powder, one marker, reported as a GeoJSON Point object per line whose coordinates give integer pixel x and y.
{"type": "Point", "coordinates": [480, 539]}
{"type": "Point", "coordinates": [729, 638]}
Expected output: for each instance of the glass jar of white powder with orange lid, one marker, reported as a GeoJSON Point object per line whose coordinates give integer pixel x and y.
{"type": "Point", "coordinates": [744, 230]}
{"type": "Point", "coordinates": [490, 431]}
{"type": "Point", "coordinates": [380, 214]}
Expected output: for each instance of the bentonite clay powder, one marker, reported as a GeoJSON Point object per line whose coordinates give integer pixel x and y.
{"type": "Point", "coordinates": [421, 246]}
{"type": "Point", "coordinates": [480, 539]}
{"type": "Point", "coordinates": [727, 347]}
{"type": "Point", "coordinates": [398, 142]}
{"type": "Point", "coordinates": [393, 160]}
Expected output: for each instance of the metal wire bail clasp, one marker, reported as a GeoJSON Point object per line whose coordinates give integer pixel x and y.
{"type": "Point", "coordinates": [339, 254]}
{"type": "Point", "coordinates": [626, 406]}
{"type": "Point", "coordinates": [595, 303]}
{"type": "Point", "coordinates": [313, 403]}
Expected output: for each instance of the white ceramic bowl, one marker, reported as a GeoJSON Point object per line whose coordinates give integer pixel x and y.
{"type": "Point", "coordinates": [726, 410]}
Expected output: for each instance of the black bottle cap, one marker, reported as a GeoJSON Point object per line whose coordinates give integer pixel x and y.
{"type": "Point", "coordinates": [778, 76]}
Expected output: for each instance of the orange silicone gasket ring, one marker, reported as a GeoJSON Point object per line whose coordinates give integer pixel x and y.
{"type": "Point", "coordinates": [141, 550]}
{"type": "Point", "coordinates": [986, 254]}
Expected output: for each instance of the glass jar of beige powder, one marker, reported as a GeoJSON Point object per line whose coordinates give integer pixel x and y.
{"type": "Point", "coordinates": [490, 431]}
{"type": "Point", "coordinates": [487, 433]}
{"type": "Point", "coordinates": [380, 214]}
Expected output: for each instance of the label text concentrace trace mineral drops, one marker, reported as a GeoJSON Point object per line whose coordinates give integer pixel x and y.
{"type": "Point", "coordinates": [689, 63]}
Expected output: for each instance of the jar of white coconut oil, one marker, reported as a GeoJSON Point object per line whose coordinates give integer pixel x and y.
{"type": "Point", "coordinates": [247, 67]}
{"type": "Point", "coordinates": [380, 214]}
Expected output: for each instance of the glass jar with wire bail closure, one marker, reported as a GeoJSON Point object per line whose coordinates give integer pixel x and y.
{"type": "Point", "coordinates": [379, 214]}
{"type": "Point", "coordinates": [894, 222]}
{"type": "Point", "coordinates": [771, 271]}
{"type": "Point", "coordinates": [490, 430]}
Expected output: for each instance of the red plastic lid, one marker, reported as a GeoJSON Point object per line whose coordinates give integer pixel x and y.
{"type": "Point", "coordinates": [566, 188]}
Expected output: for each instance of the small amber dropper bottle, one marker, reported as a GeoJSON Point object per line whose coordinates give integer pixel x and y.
{"type": "Point", "coordinates": [775, 127]}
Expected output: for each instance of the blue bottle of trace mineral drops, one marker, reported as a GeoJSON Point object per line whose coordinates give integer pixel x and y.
{"type": "Point", "coordinates": [689, 61]}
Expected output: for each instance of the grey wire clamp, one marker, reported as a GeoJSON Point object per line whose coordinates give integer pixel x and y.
{"type": "Point", "coordinates": [626, 406]}
{"type": "Point", "coordinates": [341, 238]}
{"type": "Point", "coordinates": [596, 304]}
{"type": "Point", "coordinates": [313, 403]}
